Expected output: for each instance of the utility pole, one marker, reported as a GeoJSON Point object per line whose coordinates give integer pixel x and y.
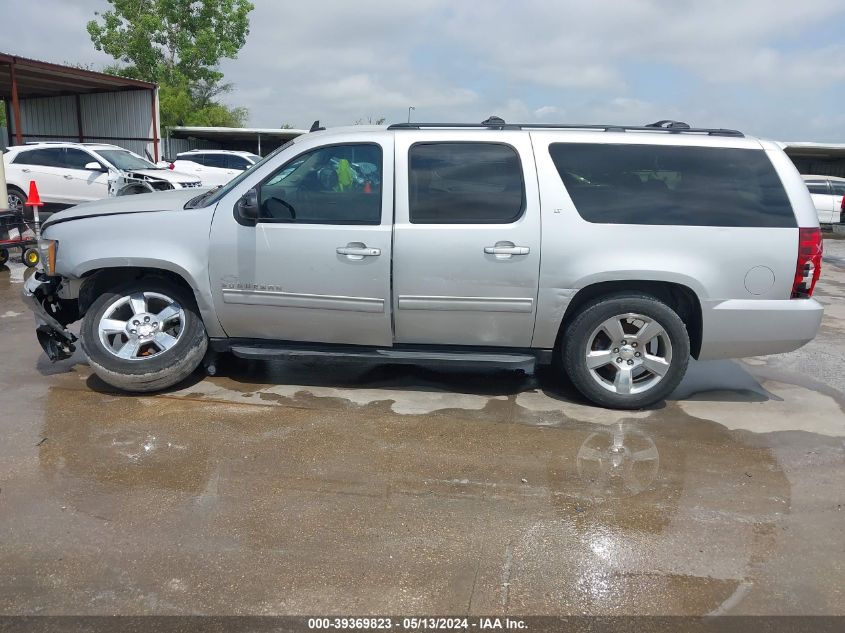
{"type": "Point", "coordinates": [409, 112]}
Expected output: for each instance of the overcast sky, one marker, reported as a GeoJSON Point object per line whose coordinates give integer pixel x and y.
{"type": "Point", "coordinates": [773, 68]}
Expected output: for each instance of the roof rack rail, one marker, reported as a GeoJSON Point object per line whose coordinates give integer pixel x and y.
{"type": "Point", "coordinates": [497, 123]}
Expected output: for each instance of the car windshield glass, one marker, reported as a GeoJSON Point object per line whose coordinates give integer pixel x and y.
{"type": "Point", "coordinates": [212, 197]}
{"type": "Point", "coordinates": [253, 158]}
{"type": "Point", "coordinates": [123, 159]}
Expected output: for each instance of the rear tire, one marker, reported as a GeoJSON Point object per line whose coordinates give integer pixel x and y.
{"type": "Point", "coordinates": [145, 335]}
{"type": "Point", "coordinates": [625, 351]}
{"type": "Point", "coordinates": [4, 256]}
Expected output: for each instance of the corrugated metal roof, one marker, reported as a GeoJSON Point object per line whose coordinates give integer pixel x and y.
{"type": "Point", "coordinates": [234, 133]}
{"type": "Point", "coordinates": [41, 79]}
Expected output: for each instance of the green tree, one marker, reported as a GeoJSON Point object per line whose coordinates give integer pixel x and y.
{"type": "Point", "coordinates": [177, 44]}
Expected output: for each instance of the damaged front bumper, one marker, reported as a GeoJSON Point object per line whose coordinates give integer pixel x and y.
{"type": "Point", "coordinates": [40, 294]}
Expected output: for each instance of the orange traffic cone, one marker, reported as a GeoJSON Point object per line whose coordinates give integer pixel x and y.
{"type": "Point", "coordinates": [368, 188]}
{"type": "Point", "coordinates": [33, 199]}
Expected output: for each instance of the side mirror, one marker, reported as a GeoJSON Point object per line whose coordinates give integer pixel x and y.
{"type": "Point", "coordinates": [247, 207]}
{"type": "Point", "coordinates": [94, 166]}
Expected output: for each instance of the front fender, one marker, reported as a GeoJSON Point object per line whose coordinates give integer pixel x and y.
{"type": "Point", "coordinates": [171, 241]}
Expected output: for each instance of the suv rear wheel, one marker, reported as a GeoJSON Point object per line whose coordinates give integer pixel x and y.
{"type": "Point", "coordinates": [144, 335]}
{"type": "Point", "coordinates": [16, 199]}
{"type": "Point", "coordinates": [626, 351]}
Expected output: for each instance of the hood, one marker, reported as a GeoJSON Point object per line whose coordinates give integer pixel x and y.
{"type": "Point", "coordinates": [156, 202]}
{"type": "Point", "coordinates": [164, 174]}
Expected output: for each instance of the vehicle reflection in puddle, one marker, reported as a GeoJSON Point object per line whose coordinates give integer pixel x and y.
{"type": "Point", "coordinates": [618, 462]}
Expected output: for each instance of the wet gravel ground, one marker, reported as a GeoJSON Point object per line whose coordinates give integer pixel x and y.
{"type": "Point", "coordinates": [291, 488]}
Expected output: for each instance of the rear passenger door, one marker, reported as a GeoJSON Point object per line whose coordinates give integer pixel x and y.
{"type": "Point", "coordinates": [466, 239]}
{"type": "Point", "coordinates": [838, 188]}
{"type": "Point", "coordinates": [45, 166]}
{"type": "Point", "coordinates": [822, 199]}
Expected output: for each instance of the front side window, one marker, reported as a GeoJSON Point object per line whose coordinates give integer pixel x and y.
{"type": "Point", "coordinates": [672, 185]}
{"type": "Point", "coordinates": [339, 184]}
{"type": "Point", "coordinates": [818, 186]}
{"type": "Point", "coordinates": [77, 159]}
{"type": "Point", "coordinates": [464, 183]}
{"type": "Point", "coordinates": [233, 161]}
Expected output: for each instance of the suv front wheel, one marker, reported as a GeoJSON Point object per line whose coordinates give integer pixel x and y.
{"type": "Point", "coordinates": [626, 351]}
{"type": "Point", "coordinates": [144, 335]}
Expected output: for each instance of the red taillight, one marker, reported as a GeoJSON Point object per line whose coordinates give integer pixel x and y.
{"type": "Point", "coordinates": [809, 265]}
{"type": "Point", "coordinates": [842, 204]}
{"type": "Point", "coordinates": [171, 166]}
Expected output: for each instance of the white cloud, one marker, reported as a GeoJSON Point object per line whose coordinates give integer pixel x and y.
{"type": "Point", "coordinates": [761, 65]}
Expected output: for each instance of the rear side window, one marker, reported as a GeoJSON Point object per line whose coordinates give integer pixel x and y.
{"type": "Point", "coordinates": [659, 184]}
{"type": "Point", "coordinates": [838, 188]}
{"type": "Point", "coordinates": [818, 186]}
{"type": "Point", "coordinates": [49, 157]}
{"type": "Point", "coordinates": [215, 160]}
{"type": "Point", "coordinates": [465, 183]}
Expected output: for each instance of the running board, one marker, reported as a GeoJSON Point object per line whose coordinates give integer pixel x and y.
{"type": "Point", "coordinates": [503, 359]}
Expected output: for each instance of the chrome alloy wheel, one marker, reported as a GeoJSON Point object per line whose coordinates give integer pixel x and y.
{"type": "Point", "coordinates": [628, 353]}
{"type": "Point", "coordinates": [141, 325]}
{"type": "Point", "coordinates": [14, 201]}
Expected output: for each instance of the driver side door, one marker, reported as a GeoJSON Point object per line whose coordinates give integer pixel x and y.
{"type": "Point", "coordinates": [315, 265]}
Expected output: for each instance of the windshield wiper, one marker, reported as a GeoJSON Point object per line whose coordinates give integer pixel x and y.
{"type": "Point", "coordinates": [193, 203]}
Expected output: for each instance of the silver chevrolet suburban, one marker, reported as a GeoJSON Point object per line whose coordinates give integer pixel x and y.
{"type": "Point", "coordinates": [613, 252]}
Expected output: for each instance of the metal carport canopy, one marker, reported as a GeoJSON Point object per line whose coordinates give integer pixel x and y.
{"type": "Point", "coordinates": [23, 78]}
{"type": "Point", "coordinates": [236, 134]}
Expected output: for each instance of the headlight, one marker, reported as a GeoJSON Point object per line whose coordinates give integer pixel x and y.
{"type": "Point", "coordinates": [47, 249]}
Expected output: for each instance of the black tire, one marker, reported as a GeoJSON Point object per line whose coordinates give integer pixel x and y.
{"type": "Point", "coordinates": [131, 190]}
{"type": "Point", "coordinates": [4, 256]}
{"type": "Point", "coordinates": [30, 257]}
{"type": "Point", "coordinates": [167, 368]}
{"type": "Point", "coordinates": [576, 340]}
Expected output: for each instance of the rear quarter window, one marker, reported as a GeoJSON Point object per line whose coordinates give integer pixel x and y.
{"type": "Point", "coordinates": [672, 185]}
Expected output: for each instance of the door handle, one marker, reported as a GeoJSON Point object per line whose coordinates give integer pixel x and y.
{"type": "Point", "coordinates": [67, 177]}
{"type": "Point", "coordinates": [26, 171]}
{"type": "Point", "coordinates": [358, 250]}
{"type": "Point", "coordinates": [506, 250]}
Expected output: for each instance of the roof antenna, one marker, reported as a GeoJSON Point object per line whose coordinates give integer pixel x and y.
{"type": "Point", "coordinates": [315, 127]}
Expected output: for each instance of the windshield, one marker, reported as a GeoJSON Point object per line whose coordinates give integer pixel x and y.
{"type": "Point", "coordinates": [211, 197]}
{"type": "Point", "coordinates": [253, 158]}
{"type": "Point", "coordinates": [124, 160]}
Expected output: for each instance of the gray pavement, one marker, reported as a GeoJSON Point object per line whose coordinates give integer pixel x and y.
{"type": "Point", "coordinates": [291, 488]}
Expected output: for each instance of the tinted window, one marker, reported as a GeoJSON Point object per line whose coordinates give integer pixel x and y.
{"type": "Point", "coordinates": [234, 161]}
{"type": "Point", "coordinates": [838, 187]}
{"type": "Point", "coordinates": [48, 157]}
{"type": "Point", "coordinates": [659, 184]}
{"type": "Point", "coordinates": [215, 160]}
{"type": "Point", "coordinates": [818, 186]}
{"type": "Point", "coordinates": [77, 159]}
{"type": "Point", "coordinates": [339, 184]}
{"type": "Point", "coordinates": [465, 183]}
{"type": "Point", "coordinates": [194, 158]}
